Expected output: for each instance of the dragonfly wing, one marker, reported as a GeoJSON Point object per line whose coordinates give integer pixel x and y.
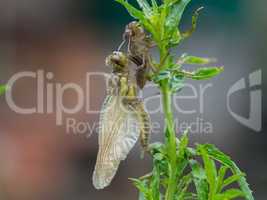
{"type": "Point", "coordinates": [117, 137]}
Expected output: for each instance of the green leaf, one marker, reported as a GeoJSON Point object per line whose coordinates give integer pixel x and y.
{"type": "Point", "coordinates": [139, 15]}
{"type": "Point", "coordinates": [175, 80]}
{"type": "Point", "coordinates": [162, 75]}
{"type": "Point", "coordinates": [190, 196]}
{"type": "Point", "coordinates": [155, 183]}
{"type": "Point", "coordinates": [3, 89]}
{"type": "Point", "coordinates": [158, 156]}
{"type": "Point", "coordinates": [154, 4]}
{"type": "Point", "coordinates": [183, 186]}
{"type": "Point", "coordinates": [156, 147]}
{"type": "Point", "coordinates": [226, 160]}
{"type": "Point", "coordinates": [182, 146]}
{"type": "Point", "coordinates": [134, 12]}
{"type": "Point", "coordinates": [211, 171]}
{"type": "Point", "coordinates": [181, 166]}
{"type": "Point", "coordinates": [175, 14]}
{"type": "Point", "coordinates": [191, 152]}
{"type": "Point", "coordinates": [199, 74]}
{"type": "Point", "coordinates": [229, 194]}
{"type": "Point", "coordinates": [141, 186]}
{"type": "Point", "coordinates": [193, 60]}
{"type": "Point", "coordinates": [206, 73]}
{"type": "Point", "coordinates": [145, 7]}
{"type": "Point", "coordinates": [157, 150]}
{"type": "Point", "coordinates": [218, 155]}
{"type": "Point", "coordinates": [167, 2]}
{"type": "Point", "coordinates": [194, 24]}
{"type": "Point", "coordinates": [141, 196]}
{"type": "Point", "coordinates": [175, 39]}
{"type": "Point", "coordinates": [176, 83]}
{"type": "Point", "coordinates": [221, 175]}
{"type": "Point", "coordinates": [232, 179]}
{"type": "Point", "coordinates": [200, 180]}
{"type": "Point", "coordinates": [197, 170]}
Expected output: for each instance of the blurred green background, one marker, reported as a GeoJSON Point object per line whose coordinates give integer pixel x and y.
{"type": "Point", "coordinates": [40, 161]}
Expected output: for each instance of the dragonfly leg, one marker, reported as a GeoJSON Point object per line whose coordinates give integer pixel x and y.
{"type": "Point", "coordinates": [123, 86]}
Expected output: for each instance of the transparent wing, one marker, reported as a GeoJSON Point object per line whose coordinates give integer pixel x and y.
{"type": "Point", "coordinates": [118, 134]}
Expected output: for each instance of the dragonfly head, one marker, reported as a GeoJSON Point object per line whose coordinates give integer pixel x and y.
{"type": "Point", "coordinates": [118, 61]}
{"type": "Point", "coordinates": [134, 31]}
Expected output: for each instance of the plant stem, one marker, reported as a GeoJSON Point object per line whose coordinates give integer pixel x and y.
{"type": "Point", "coordinates": [170, 134]}
{"type": "Point", "coordinates": [170, 140]}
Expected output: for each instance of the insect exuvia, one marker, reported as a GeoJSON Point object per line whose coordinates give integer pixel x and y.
{"type": "Point", "coordinates": [139, 44]}
{"type": "Point", "coordinates": [123, 119]}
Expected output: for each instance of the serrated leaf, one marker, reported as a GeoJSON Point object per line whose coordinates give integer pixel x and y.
{"type": "Point", "coordinates": [141, 186]}
{"type": "Point", "coordinates": [200, 180]}
{"type": "Point", "coordinates": [137, 14]}
{"type": "Point", "coordinates": [154, 4]}
{"type": "Point", "coordinates": [182, 164]}
{"type": "Point", "coordinates": [232, 179]}
{"type": "Point", "coordinates": [175, 14]}
{"type": "Point", "coordinates": [190, 196]}
{"type": "Point", "coordinates": [145, 7]}
{"type": "Point", "coordinates": [182, 146]}
{"type": "Point", "coordinates": [156, 147]}
{"type": "Point", "coordinates": [194, 60]}
{"type": "Point", "coordinates": [134, 12]}
{"type": "Point", "coordinates": [218, 155]}
{"type": "Point", "coordinates": [141, 196]}
{"type": "Point", "coordinates": [191, 152]}
{"type": "Point", "coordinates": [226, 160]}
{"type": "Point", "coordinates": [221, 175]}
{"type": "Point", "coordinates": [206, 73]}
{"type": "Point", "coordinates": [183, 186]}
{"type": "Point", "coordinates": [229, 194]}
{"type": "Point", "coordinates": [155, 183]}
{"type": "Point", "coordinates": [197, 170]}
{"type": "Point", "coordinates": [158, 156]}
{"type": "Point", "coordinates": [202, 188]}
{"type": "Point", "coordinates": [211, 172]}
{"type": "Point", "coordinates": [167, 2]}
{"type": "Point", "coordinates": [194, 24]}
{"type": "Point", "coordinates": [175, 38]}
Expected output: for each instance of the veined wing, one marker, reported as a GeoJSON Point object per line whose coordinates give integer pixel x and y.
{"type": "Point", "coordinates": [118, 134]}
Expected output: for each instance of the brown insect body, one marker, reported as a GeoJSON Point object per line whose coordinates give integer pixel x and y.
{"type": "Point", "coordinates": [139, 45]}
{"type": "Point", "coordinates": [122, 120]}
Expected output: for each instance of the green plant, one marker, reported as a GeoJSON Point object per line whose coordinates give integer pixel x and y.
{"type": "Point", "coordinates": [3, 88]}
{"type": "Point", "coordinates": [181, 172]}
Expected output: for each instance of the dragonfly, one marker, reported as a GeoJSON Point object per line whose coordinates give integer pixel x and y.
{"type": "Point", "coordinates": [139, 44]}
{"type": "Point", "coordinates": [123, 120]}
